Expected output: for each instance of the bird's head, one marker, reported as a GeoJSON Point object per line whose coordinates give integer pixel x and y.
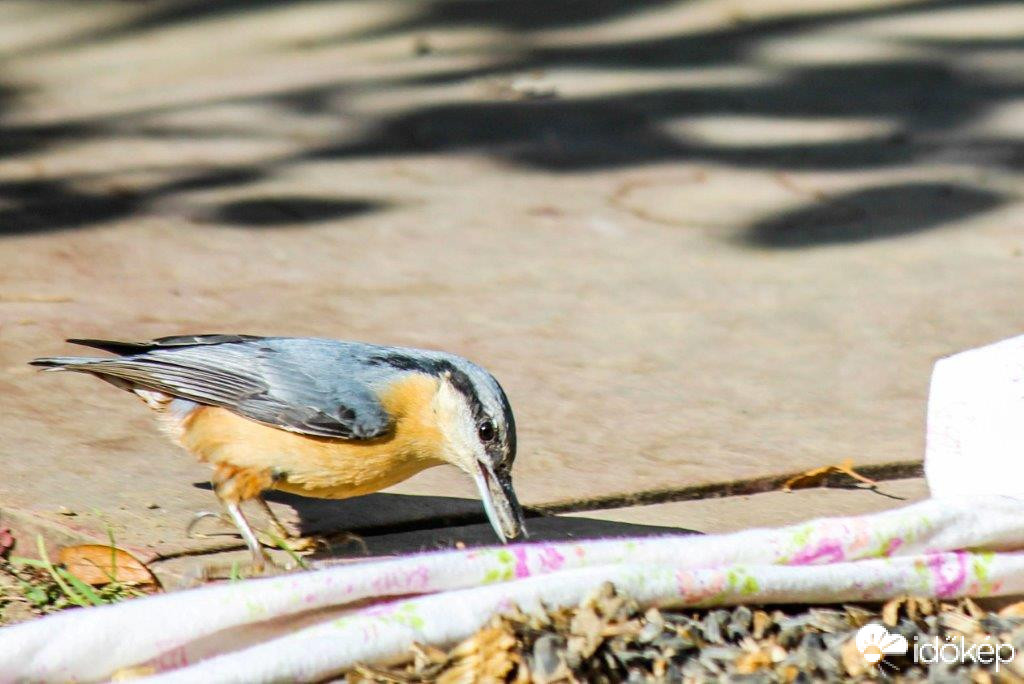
{"type": "Point", "coordinates": [479, 432]}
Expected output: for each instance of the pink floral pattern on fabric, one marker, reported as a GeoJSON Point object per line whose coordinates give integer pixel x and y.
{"type": "Point", "coordinates": [827, 550]}
{"type": "Point", "coordinates": [949, 573]}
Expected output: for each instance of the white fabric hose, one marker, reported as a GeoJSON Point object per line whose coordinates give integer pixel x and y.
{"type": "Point", "coordinates": [181, 631]}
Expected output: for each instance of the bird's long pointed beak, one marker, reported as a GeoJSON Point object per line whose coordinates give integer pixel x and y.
{"type": "Point", "coordinates": [500, 503]}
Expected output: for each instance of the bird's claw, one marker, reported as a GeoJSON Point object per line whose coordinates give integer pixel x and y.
{"type": "Point", "coordinates": [198, 518]}
{"type": "Point", "coordinates": [295, 543]}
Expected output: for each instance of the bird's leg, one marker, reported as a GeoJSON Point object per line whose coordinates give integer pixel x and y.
{"type": "Point", "coordinates": [233, 486]}
{"type": "Point", "coordinates": [258, 558]}
{"type": "Point", "coordinates": [276, 525]}
{"type": "Point", "coordinates": [295, 542]}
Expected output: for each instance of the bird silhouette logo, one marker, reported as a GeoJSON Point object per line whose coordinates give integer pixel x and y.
{"type": "Point", "coordinates": [875, 642]}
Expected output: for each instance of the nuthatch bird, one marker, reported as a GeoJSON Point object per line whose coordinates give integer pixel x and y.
{"type": "Point", "coordinates": [317, 417]}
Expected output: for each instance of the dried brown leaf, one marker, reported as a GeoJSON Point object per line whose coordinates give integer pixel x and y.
{"type": "Point", "coordinates": [97, 565]}
{"type": "Point", "coordinates": [816, 476]}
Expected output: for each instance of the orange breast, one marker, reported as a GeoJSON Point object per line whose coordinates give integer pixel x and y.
{"type": "Point", "coordinates": [321, 467]}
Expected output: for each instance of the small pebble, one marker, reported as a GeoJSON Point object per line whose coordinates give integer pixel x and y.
{"type": "Point", "coordinates": [713, 625]}
{"type": "Point", "coordinates": [740, 624]}
{"type": "Point", "coordinates": [650, 632]}
{"type": "Point", "coordinates": [545, 655]}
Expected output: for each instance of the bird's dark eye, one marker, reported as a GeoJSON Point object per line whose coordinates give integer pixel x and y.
{"type": "Point", "coordinates": [486, 431]}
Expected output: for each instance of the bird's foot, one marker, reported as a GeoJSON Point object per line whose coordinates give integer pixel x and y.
{"type": "Point", "coordinates": [287, 542]}
{"type": "Point", "coordinates": [281, 537]}
{"type": "Point", "coordinates": [345, 538]}
{"type": "Point", "coordinates": [192, 533]}
{"type": "Point", "coordinates": [276, 538]}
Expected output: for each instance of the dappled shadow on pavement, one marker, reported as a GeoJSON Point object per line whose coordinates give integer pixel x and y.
{"type": "Point", "coordinates": [876, 213]}
{"type": "Point", "coordinates": [926, 104]}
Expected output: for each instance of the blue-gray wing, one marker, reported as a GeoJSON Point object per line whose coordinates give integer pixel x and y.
{"type": "Point", "coordinates": [313, 387]}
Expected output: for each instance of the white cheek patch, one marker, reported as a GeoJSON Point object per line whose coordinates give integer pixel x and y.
{"type": "Point", "coordinates": [455, 419]}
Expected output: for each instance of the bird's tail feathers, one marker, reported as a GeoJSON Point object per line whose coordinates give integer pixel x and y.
{"type": "Point", "coordinates": [57, 363]}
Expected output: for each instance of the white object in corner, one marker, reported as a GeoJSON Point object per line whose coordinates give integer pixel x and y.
{"type": "Point", "coordinates": [975, 440]}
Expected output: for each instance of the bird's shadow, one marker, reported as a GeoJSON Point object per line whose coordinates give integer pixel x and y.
{"type": "Point", "coordinates": [553, 528]}
{"type": "Point", "coordinates": [385, 524]}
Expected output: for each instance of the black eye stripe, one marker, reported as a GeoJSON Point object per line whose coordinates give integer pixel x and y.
{"type": "Point", "coordinates": [462, 384]}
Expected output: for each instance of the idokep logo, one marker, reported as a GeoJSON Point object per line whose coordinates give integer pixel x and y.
{"type": "Point", "coordinates": [959, 650]}
{"type": "Point", "coordinates": [875, 642]}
